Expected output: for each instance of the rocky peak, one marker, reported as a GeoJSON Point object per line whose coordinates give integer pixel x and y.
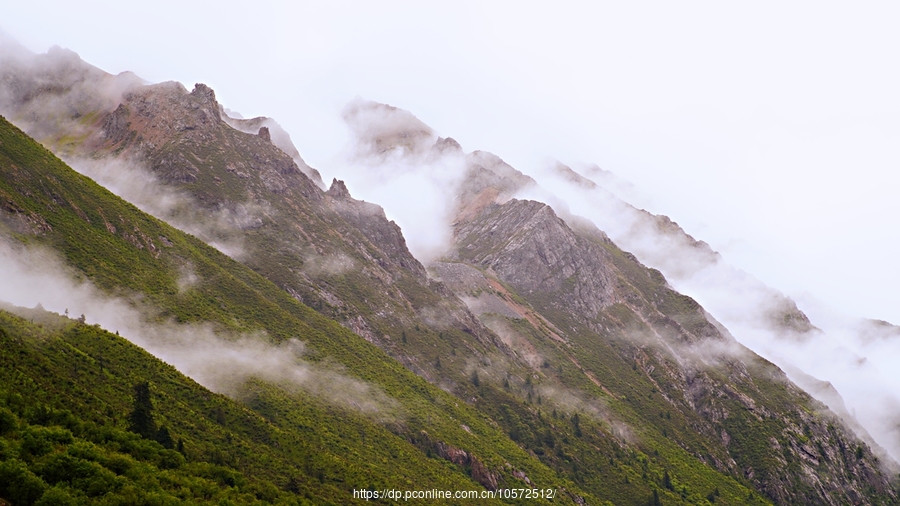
{"type": "Point", "coordinates": [488, 180]}
{"type": "Point", "coordinates": [531, 248]}
{"type": "Point", "coordinates": [447, 145]}
{"type": "Point", "coordinates": [381, 128]}
{"type": "Point", "coordinates": [264, 134]}
{"type": "Point", "coordinates": [64, 61]}
{"type": "Point", "coordinates": [49, 94]}
{"type": "Point", "coordinates": [338, 189]}
{"type": "Point", "coordinates": [570, 175]}
{"type": "Point", "coordinates": [488, 169]}
{"type": "Point", "coordinates": [277, 136]}
{"type": "Point", "coordinates": [203, 91]}
{"type": "Point", "coordinates": [206, 98]}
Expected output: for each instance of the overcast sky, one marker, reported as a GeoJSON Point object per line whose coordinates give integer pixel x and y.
{"type": "Point", "coordinates": [771, 130]}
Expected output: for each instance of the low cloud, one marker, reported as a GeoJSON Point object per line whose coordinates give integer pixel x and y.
{"type": "Point", "coordinates": [72, 91]}
{"type": "Point", "coordinates": [516, 342]}
{"type": "Point", "coordinates": [220, 361]}
{"type": "Point", "coordinates": [220, 228]}
{"type": "Point", "coordinates": [397, 161]}
{"type": "Point", "coordinates": [548, 393]}
{"type": "Point", "coordinates": [393, 161]}
{"type": "Point", "coordinates": [334, 264]}
{"type": "Point", "coordinates": [72, 96]}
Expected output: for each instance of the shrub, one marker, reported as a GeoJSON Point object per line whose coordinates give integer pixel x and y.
{"type": "Point", "coordinates": [170, 459]}
{"type": "Point", "coordinates": [6, 451]}
{"type": "Point", "coordinates": [56, 496]}
{"type": "Point", "coordinates": [8, 421]}
{"type": "Point", "coordinates": [86, 451]}
{"type": "Point", "coordinates": [39, 441]}
{"type": "Point", "coordinates": [90, 477]}
{"type": "Point", "coordinates": [19, 485]}
{"type": "Point", "coordinates": [119, 464]}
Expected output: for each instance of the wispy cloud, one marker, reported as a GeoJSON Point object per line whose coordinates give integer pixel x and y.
{"type": "Point", "coordinates": [218, 360]}
{"type": "Point", "coordinates": [221, 228]}
{"type": "Point", "coordinates": [397, 161]}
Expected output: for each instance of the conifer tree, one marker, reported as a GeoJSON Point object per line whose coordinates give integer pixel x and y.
{"type": "Point", "coordinates": [164, 438]}
{"type": "Point", "coordinates": [140, 421]}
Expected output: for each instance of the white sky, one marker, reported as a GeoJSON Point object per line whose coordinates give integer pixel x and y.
{"type": "Point", "coordinates": [770, 130]}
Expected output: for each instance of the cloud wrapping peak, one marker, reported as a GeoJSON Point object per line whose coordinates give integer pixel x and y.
{"type": "Point", "coordinates": [398, 161]}
{"type": "Point", "coordinates": [72, 91]}
{"type": "Point", "coordinates": [823, 346]}
{"type": "Point", "coordinates": [133, 182]}
{"type": "Point", "coordinates": [379, 129]}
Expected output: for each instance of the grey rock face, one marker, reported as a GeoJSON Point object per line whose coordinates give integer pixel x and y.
{"type": "Point", "coordinates": [527, 245]}
{"type": "Point", "coordinates": [277, 136]}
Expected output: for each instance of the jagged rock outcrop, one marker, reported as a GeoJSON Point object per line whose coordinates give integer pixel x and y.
{"type": "Point", "coordinates": [528, 246]}
{"type": "Point", "coordinates": [276, 135]}
{"type": "Point", "coordinates": [338, 190]}
{"type": "Point", "coordinates": [447, 145]}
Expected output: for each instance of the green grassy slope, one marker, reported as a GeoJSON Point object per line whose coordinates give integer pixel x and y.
{"type": "Point", "coordinates": [67, 390]}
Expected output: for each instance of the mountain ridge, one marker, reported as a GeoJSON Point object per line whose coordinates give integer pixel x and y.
{"type": "Point", "coordinates": [559, 320]}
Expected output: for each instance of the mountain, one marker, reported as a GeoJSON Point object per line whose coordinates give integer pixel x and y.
{"type": "Point", "coordinates": [535, 352]}
{"type": "Point", "coordinates": [373, 423]}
